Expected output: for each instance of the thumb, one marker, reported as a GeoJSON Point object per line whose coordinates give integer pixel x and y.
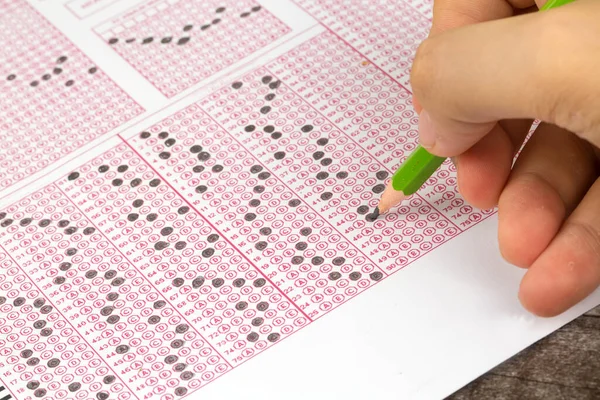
{"type": "Point", "coordinates": [538, 66]}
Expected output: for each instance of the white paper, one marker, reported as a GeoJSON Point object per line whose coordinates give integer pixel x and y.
{"type": "Point", "coordinates": [186, 183]}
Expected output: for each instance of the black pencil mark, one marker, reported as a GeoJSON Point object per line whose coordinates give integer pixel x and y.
{"type": "Point", "coordinates": [186, 28]}
{"type": "Point", "coordinates": [55, 72]}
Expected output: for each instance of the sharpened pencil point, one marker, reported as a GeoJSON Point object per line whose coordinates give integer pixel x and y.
{"type": "Point", "coordinates": [390, 198]}
{"type": "Point", "coordinates": [374, 215]}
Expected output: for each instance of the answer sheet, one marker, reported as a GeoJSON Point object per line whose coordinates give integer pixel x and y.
{"type": "Point", "coordinates": [185, 189]}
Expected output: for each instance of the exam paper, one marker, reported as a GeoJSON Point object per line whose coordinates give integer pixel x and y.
{"type": "Point", "coordinates": [184, 192]}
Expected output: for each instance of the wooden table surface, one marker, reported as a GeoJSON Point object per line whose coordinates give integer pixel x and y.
{"type": "Point", "coordinates": [564, 365]}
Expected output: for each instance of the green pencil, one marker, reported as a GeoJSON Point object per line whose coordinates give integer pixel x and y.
{"type": "Point", "coordinates": [554, 3]}
{"type": "Point", "coordinates": [421, 164]}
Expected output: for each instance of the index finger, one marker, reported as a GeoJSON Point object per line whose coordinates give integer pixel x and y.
{"type": "Point", "coordinates": [449, 14]}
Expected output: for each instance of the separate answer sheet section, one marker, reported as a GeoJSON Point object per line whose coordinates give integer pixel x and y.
{"type": "Point", "coordinates": [219, 228]}
{"type": "Point", "coordinates": [177, 44]}
{"type": "Point", "coordinates": [76, 284]}
{"type": "Point", "coordinates": [54, 99]}
{"type": "Point", "coordinates": [387, 32]}
{"type": "Point", "coordinates": [41, 341]}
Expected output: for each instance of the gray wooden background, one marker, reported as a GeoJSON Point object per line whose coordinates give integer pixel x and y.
{"type": "Point", "coordinates": [564, 365]}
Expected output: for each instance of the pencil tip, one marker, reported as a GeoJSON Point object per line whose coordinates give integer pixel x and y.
{"type": "Point", "coordinates": [390, 198]}
{"type": "Point", "coordinates": [374, 215]}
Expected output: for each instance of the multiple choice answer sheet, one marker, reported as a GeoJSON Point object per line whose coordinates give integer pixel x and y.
{"type": "Point", "coordinates": [184, 192]}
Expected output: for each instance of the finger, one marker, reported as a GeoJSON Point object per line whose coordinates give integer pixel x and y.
{"type": "Point", "coordinates": [417, 105]}
{"type": "Point", "coordinates": [484, 168]}
{"type": "Point", "coordinates": [548, 180]}
{"type": "Point", "coordinates": [449, 14]}
{"type": "Point", "coordinates": [569, 269]}
{"type": "Point", "coordinates": [469, 78]}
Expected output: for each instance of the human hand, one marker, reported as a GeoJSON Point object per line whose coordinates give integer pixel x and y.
{"type": "Point", "coordinates": [480, 86]}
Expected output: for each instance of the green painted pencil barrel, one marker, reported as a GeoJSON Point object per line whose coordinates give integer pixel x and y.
{"type": "Point", "coordinates": [415, 171]}
{"type": "Point", "coordinates": [554, 3]}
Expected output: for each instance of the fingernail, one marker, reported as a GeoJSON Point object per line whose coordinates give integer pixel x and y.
{"type": "Point", "coordinates": [426, 130]}
{"type": "Point", "coordinates": [416, 106]}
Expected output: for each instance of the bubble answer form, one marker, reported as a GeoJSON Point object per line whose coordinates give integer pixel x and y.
{"type": "Point", "coordinates": [222, 247]}
{"type": "Point", "coordinates": [176, 44]}
{"type": "Point", "coordinates": [54, 99]}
